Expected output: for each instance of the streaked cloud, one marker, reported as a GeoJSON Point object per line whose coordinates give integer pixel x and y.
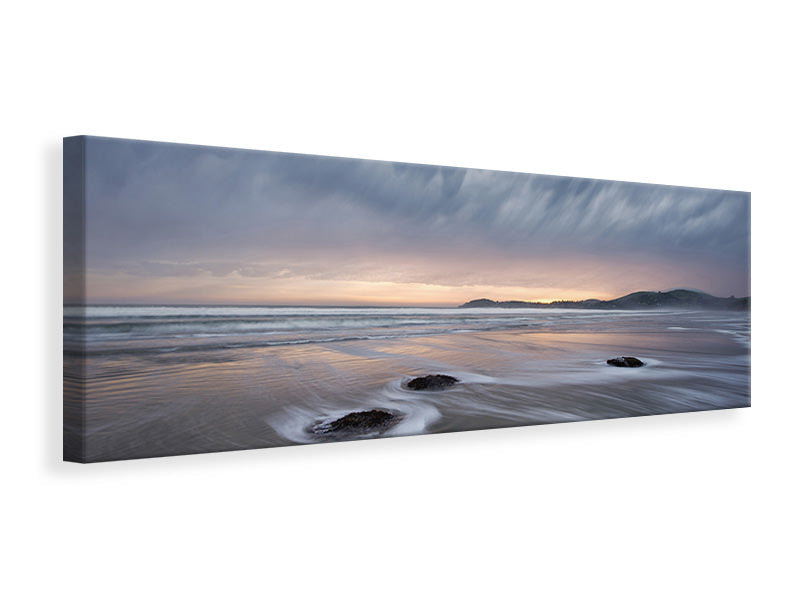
{"type": "Point", "coordinates": [159, 212]}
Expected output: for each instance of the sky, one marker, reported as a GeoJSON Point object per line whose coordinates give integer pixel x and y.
{"type": "Point", "coordinates": [173, 223]}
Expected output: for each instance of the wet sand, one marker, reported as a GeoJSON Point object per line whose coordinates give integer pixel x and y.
{"type": "Point", "coordinates": [180, 403]}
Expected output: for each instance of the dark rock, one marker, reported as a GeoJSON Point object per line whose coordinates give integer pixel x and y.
{"type": "Point", "coordinates": [359, 423]}
{"type": "Point", "coordinates": [431, 382]}
{"type": "Point", "coordinates": [625, 361]}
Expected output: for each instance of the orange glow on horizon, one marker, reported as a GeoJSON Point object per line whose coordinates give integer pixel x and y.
{"type": "Point", "coordinates": [234, 289]}
{"type": "Point", "coordinates": [401, 281]}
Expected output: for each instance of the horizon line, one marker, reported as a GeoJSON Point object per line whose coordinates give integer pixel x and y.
{"type": "Point", "coordinates": [267, 305]}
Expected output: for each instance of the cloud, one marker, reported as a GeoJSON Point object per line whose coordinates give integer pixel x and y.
{"type": "Point", "coordinates": [164, 210]}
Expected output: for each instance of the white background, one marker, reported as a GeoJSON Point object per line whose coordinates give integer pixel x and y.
{"type": "Point", "coordinates": [681, 506]}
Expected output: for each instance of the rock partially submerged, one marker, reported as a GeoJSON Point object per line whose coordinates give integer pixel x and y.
{"type": "Point", "coordinates": [431, 382]}
{"type": "Point", "coordinates": [359, 423]}
{"type": "Point", "coordinates": [625, 361]}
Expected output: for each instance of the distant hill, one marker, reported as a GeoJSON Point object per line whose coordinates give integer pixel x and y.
{"type": "Point", "coordinates": [636, 300]}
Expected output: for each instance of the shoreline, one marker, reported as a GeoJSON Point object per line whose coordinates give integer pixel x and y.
{"type": "Point", "coordinates": [271, 396]}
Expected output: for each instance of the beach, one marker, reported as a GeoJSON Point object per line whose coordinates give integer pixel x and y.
{"type": "Point", "coordinates": [165, 380]}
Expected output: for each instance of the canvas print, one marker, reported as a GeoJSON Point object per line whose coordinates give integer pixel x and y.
{"type": "Point", "coordinates": [220, 299]}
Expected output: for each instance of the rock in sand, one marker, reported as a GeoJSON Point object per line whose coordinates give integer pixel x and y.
{"type": "Point", "coordinates": [359, 423]}
{"type": "Point", "coordinates": [625, 361]}
{"type": "Point", "coordinates": [431, 382]}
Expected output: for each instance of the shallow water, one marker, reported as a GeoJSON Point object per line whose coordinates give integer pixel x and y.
{"type": "Point", "coordinates": [175, 380]}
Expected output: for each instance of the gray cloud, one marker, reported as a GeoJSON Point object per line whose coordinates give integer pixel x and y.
{"type": "Point", "coordinates": [156, 210]}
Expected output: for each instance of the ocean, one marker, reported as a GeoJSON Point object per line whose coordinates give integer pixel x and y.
{"type": "Point", "coordinates": [163, 380]}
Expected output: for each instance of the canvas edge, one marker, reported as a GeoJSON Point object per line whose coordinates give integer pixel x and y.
{"type": "Point", "coordinates": [74, 293]}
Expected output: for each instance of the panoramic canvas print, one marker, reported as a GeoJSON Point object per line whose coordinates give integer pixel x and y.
{"type": "Point", "coordinates": [220, 299]}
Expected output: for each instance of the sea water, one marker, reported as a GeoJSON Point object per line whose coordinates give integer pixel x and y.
{"type": "Point", "coordinates": [162, 380]}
